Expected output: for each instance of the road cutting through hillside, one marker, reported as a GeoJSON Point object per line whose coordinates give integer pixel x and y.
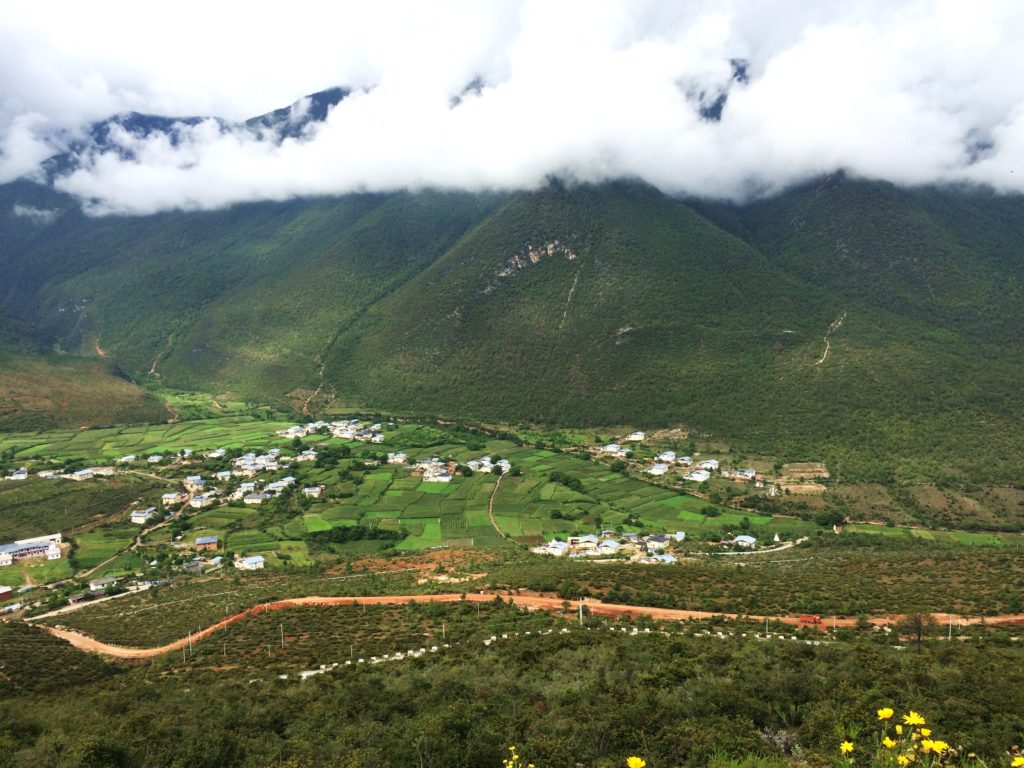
{"type": "Point", "coordinates": [532, 602]}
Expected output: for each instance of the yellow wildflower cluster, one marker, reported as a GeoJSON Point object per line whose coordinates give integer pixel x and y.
{"type": "Point", "coordinates": [514, 761]}
{"type": "Point", "coordinates": [910, 742]}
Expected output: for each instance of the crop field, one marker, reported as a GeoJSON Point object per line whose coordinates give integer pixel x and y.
{"type": "Point", "coordinates": [829, 575]}
{"type": "Point", "coordinates": [165, 613]}
{"type": "Point", "coordinates": [38, 507]}
{"type": "Point", "coordinates": [306, 637]}
{"type": "Point", "coordinates": [238, 431]}
{"type": "Point", "coordinates": [98, 545]}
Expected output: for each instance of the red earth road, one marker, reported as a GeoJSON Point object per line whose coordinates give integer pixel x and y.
{"type": "Point", "coordinates": [531, 602]}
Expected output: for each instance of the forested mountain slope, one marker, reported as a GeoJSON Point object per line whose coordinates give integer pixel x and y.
{"type": "Point", "coordinates": [867, 325]}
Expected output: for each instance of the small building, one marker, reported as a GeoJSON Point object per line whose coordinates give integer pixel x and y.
{"type": "Point", "coordinates": [207, 543]}
{"type": "Point", "coordinates": [308, 455]}
{"type": "Point", "coordinates": [200, 502]}
{"type": "Point", "coordinates": [437, 475]}
{"type": "Point", "coordinates": [313, 491]}
{"type": "Point", "coordinates": [254, 499]}
{"type": "Point", "coordinates": [635, 437]}
{"type": "Point", "coordinates": [669, 457]}
{"type": "Point", "coordinates": [194, 482]}
{"type": "Point", "coordinates": [223, 476]}
{"type": "Point", "coordinates": [82, 474]}
{"type": "Point", "coordinates": [745, 541]}
{"type": "Point", "coordinates": [171, 498]}
{"type": "Point", "coordinates": [657, 542]}
{"type": "Point", "coordinates": [711, 465]}
{"type": "Point", "coordinates": [556, 548]}
{"type": "Point", "coordinates": [657, 470]}
{"type": "Point", "coordinates": [6, 592]}
{"type": "Point", "coordinates": [698, 475]}
{"type": "Point", "coordinates": [156, 458]}
{"type": "Point", "coordinates": [98, 585]}
{"type": "Point", "coordinates": [614, 449]}
{"type": "Point", "coordinates": [680, 535]}
{"type": "Point", "coordinates": [254, 563]}
{"type": "Point", "coordinates": [127, 459]}
{"type": "Point", "coordinates": [142, 516]}
{"type": "Point", "coordinates": [665, 559]}
{"type": "Point", "coordinates": [609, 547]}
{"type": "Point", "coordinates": [397, 457]}
{"type": "Point", "coordinates": [215, 454]}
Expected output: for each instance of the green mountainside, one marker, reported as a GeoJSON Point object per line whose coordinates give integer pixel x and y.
{"type": "Point", "coordinates": [855, 322]}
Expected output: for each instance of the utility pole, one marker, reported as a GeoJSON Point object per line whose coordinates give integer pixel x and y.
{"type": "Point", "coordinates": [190, 642]}
{"type": "Point", "coordinates": [951, 627]}
{"type": "Point", "coordinates": [581, 611]}
{"type": "Point", "coordinates": [282, 634]}
{"type": "Point", "coordinates": [766, 627]}
{"type": "Point", "coordinates": [444, 632]}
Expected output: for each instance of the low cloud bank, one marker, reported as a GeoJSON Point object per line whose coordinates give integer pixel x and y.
{"type": "Point", "coordinates": [724, 100]}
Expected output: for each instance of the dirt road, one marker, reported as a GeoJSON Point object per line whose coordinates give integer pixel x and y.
{"type": "Point", "coordinates": [531, 602]}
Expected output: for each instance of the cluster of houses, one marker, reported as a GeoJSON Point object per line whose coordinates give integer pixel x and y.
{"type": "Point", "coordinates": [252, 494]}
{"type": "Point", "coordinates": [88, 473]}
{"type": "Point", "coordinates": [433, 470]}
{"type": "Point", "coordinates": [24, 549]}
{"type": "Point", "coordinates": [649, 549]}
{"type": "Point", "coordinates": [344, 429]}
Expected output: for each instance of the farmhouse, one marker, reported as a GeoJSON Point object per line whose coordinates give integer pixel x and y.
{"type": "Point", "coordinates": [127, 459]}
{"type": "Point", "coordinates": [609, 547]}
{"type": "Point", "coordinates": [141, 516]}
{"type": "Point", "coordinates": [82, 474]}
{"type": "Point", "coordinates": [207, 542]}
{"type": "Point", "coordinates": [556, 548]}
{"type": "Point", "coordinates": [255, 498]}
{"type": "Point", "coordinates": [194, 482]}
{"type": "Point", "coordinates": [254, 563]}
{"type": "Point", "coordinates": [200, 502]}
{"type": "Point", "coordinates": [156, 458]}
{"type": "Point", "coordinates": [223, 476]}
{"type": "Point", "coordinates": [635, 437]}
{"type": "Point", "coordinates": [657, 541]}
{"type": "Point", "coordinates": [397, 458]}
{"type": "Point", "coordinates": [745, 541]}
{"type": "Point", "coordinates": [23, 549]}
{"type": "Point", "coordinates": [614, 449]}
{"type": "Point", "coordinates": [215, 454]}
{"type": "Point", "coordinates": [313, 491]}
{"type": "Point", "coordinates": [669, 457]}
{"type": "Point", "coordinates": [698, 475]}
{"type": "Point", "coordinates": [5, 592]}
{"type": "Point", "coordinates": [308, 455]}
{"type": "Point", "coordinates": [18, 474]}
{"type": "Point", "coordinates": [171, 498]}
{"type": "Point", "coordinates": [657, 470]}
{"type": "Point", "coordinates": [437, 475]}
{"type": "Point", "coordinates": [98, 585]}
{"type": "Point", "coordinates": [709, 464]}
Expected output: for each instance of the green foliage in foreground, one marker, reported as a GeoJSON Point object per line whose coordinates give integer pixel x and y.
{"type": "Point", "coordinates": [583, 698]}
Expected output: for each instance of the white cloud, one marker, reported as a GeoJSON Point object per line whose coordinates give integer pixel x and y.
{"type": "Point", "coordinates": [40, 216]}
{"type": "Point", "coordinates": [913, 92]}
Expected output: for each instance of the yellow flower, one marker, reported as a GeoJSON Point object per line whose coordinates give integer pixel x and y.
{"type": "Point", "coordinates": [939, 746]}
{"type": "Point", "coordinates": [927, 745]}
{"type": "Point", "coordinates": [1017, 762]}
{"type": "Point", "coordinates": [926, 731]}
{"type": "Point", "coordinates": [899, 729]}
{"type": "Point", "coordinates": [885, 713]}
{"type": "Point", "coordinates": [846, 747]}
{"type": "Point", "coordinates": [903, 760]}
{"type": "Point", "coordinates": [635, 762]}
{"type": "Point", "coordinates": [913, 718]}
{"type": "Point", "coordinates": [889, 743]}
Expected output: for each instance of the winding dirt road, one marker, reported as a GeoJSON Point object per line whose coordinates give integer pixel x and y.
{"type": "Point", "coordinates": [530, 602]}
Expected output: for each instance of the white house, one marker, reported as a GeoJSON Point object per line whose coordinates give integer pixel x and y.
{"type": "Point", "coordinates": [556, 548]}
{"type": "Point", "coordinates": [397, 458]}
{"type": "Point", "coordinates": [200, 502]}
{"type": "Point", "coordinates": [219, 453]}
{"type": "Point", "coordinates": [309, 455]}
{"type": "Point", "coordinates": [313, 491]}
{"type": "Point", "coordinates": [254, 563]}
{"type": "Point", "coordinates": [680, 536]}
{"type": "Point", "coordinates": [609, 547]}
{"type": "Point", "coordinates": [194, 482]}
{"type": "Point", "coordinates": [745, 541]}
{"type": "Point", "coordinates": [82, 474]}
{"type": "Point", "coordinates": [709, 464]}
{"type": "Point", "coordinates": [170, 498]}
{"type": "Point", "coordinates": [657, 470]}
{"type": "Point", "coordinates": [614, 449]}
{"type": "Point", "coordinates": [669, 457]}
{"type": "Point", "coordinates": [635, 437]}
{"type": "Point", "coordinates": [698, 475]}
{"type": "Point", "coordinates": [223, 476]}
{"type": "Point", "coordinates": [253, 499]}
{"type": "Point", "coordinates": [18, 474]}
{"type": "Point", "coordinates": [437, 475]}
{"type": "Point", "coordinates": [656, 542]}
{"type": "Point", "coordinates": [141, 516]}
{"type": "Point", "coordinates": [126, 459]}
{"type": "Point", "coordinates": [156, 458]}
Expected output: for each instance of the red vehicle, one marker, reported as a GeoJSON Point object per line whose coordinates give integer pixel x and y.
{"type": "Point", "coordinates": [810, 619]}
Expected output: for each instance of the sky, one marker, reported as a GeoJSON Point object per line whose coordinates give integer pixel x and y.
{"type": "Point", "coordinates": [506, 94]}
